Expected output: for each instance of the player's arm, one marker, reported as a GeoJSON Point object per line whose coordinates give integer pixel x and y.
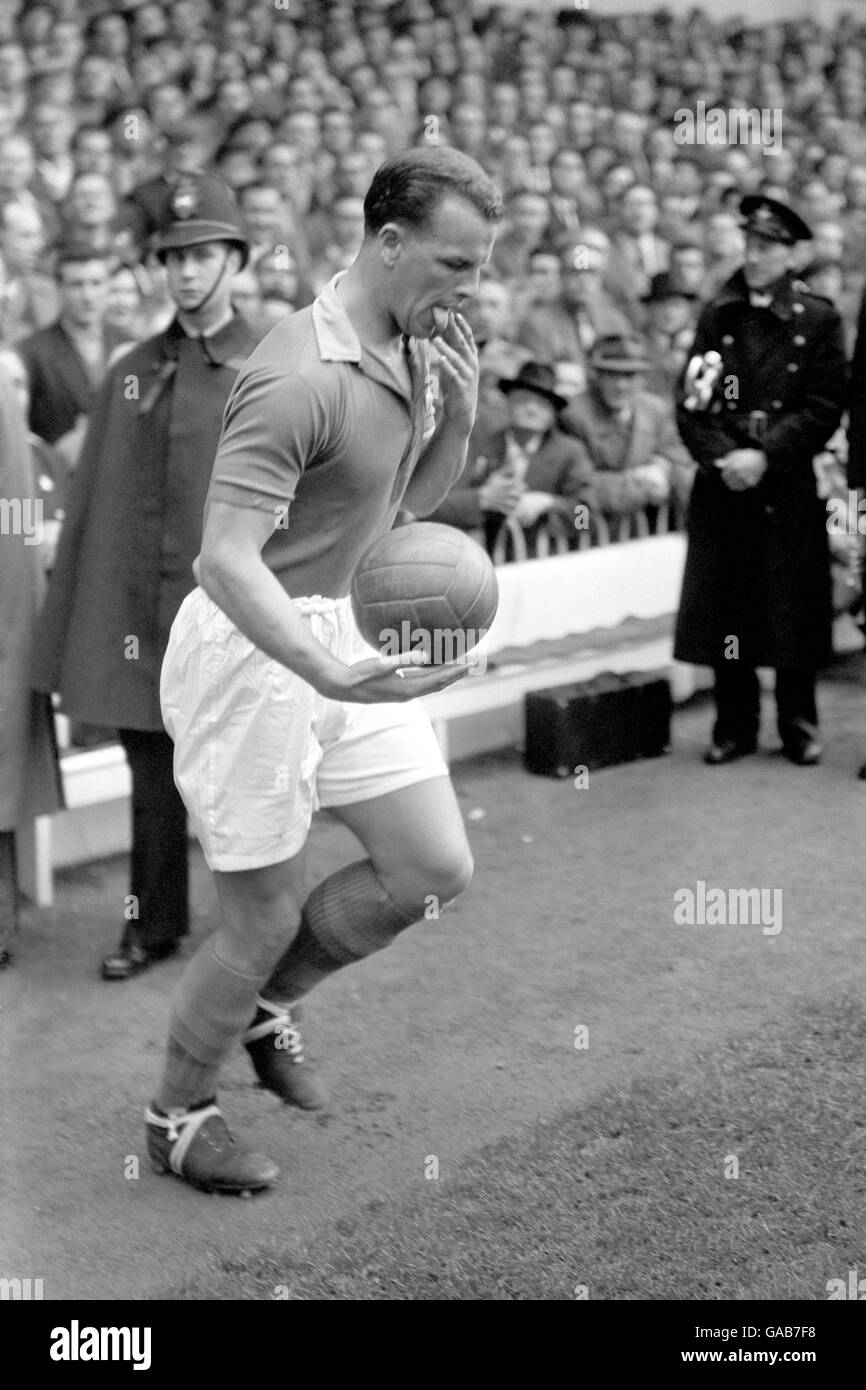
{"type": "Point", "coordinates": [444, 459]}
{"type": "Point", "coordinates": [232, 572]}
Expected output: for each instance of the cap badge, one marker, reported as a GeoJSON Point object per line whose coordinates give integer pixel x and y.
{"type": "Point", "coordinates": [184, 203]}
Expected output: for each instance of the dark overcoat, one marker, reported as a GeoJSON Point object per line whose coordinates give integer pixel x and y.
{"type": "Point", "coordinates": [857, 407]}
{"type": "Point", "coordinates": [134, 525]}
{"type": "Point", "coordinates": [29, 772]}
{"type": "Point", "coordinates": [757, 566]}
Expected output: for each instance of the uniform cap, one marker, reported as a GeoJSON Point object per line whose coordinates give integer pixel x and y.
{"type": "Point", "coordinates": [200, 208]}
{"type": "Point", "coordinates": [772, 220]}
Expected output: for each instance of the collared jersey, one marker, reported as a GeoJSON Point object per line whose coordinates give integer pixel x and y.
{"type": "Point", "coordinates": [320, 432]}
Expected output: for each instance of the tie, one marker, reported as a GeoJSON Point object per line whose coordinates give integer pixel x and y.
{"type": "Point", "coordinates": [760, 301]}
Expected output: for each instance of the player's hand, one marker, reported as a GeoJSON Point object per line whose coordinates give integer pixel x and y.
{"type": "Point", "coordinates": [458, 372]}
{"type": "Point", "coordinates": [393, 679]}
{"type": "Point", "coordinates": [742, 468]}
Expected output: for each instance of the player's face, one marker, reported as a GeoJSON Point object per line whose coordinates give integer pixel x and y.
{"type": "Point", "coordinates": [436, 268]}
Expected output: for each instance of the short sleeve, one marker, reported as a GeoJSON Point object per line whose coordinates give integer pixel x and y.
{"type": "Point", "coordinates": [275, 423]}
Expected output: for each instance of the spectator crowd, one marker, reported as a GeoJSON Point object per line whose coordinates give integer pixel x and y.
{"type": "Point", "coordinates": [617, 227]}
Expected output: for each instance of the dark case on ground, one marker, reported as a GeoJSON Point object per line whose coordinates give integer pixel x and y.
{"type": "Point", "coordinates": [597, 723]}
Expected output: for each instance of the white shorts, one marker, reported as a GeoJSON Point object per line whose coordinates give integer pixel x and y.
{"type": "Point", "coordinates": [258, 750]}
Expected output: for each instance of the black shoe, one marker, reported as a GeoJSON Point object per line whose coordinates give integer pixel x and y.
{"type": "Point", "coordinates": [805, 754]}
{"type": "Point", "coordinates": [5, 958]}
{"type": "Point", "coordinates": [862, 773]}
{"type": "Point", "coordinates": [728, 751]}
{"type": "Point", "coordinates": [131, 960]}
{"type": "Point", "coordinates": [276, 1048]}
{"type": "Point", "coordinates": [198, 1145]}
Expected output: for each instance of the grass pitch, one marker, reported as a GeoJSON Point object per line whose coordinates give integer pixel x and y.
{"type": "Point", "coordinates": [743, 1178]}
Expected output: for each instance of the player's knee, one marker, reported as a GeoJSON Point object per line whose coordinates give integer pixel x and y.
{"type": "Point", "coordinates": [258, 925]}
{"type": "Point", "coordinates": [461, 875]}
{"type": "Point", "coordinates": [255, 952]}
{"type": "Point", "coordinates": [450, 875]}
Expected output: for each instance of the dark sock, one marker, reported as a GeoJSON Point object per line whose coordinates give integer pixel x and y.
{"type": "Point", "coordinates": [347, 917]}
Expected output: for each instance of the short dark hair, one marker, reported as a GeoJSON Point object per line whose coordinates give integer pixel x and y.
{"type": "Point", "coordinates": [409, 186]}
{"type": "Point", "coordinates": [76, 252]}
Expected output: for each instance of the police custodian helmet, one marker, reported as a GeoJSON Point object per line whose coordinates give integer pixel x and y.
{"type": "Point", "coordinates": [200, 208]}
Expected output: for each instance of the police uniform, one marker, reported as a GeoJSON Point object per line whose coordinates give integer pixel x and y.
{"type": "Point", "coordinates": [756, 589]}
{"type": "Point", "coordinates": [124, 565]}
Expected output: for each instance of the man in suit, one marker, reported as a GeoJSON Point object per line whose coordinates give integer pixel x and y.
{"type": "Point", "coordinates": [132, 531]}
{"type": "Point", "coordinates": [573, 311]}
{"type": "Point", "coordinates": [528, 216]}
{"type": "Point", "coordinates": [627, 435]}
{"type": "Point", "coordinates": [756, 589]}
{"type": "Point", "coordinates": [523, 469]}
{"type": "Point", "coordinates": [672, 312]}
{"type": "Point", "coordinates": [28, 299]}
{"type": "Point", "coordinates": [67, 361]}
{"type": "Point", "coordinates": [637, 251]}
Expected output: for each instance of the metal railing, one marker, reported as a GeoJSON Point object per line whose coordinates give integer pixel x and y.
{"type": "Point", "coordinates": [556, 532]}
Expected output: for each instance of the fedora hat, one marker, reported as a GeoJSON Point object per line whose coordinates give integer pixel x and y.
{"type": "Point", "coordinates": [663, 288]}
{"type": "Point", "coordinates": [618, 353]}
{"type": "Point", "coordinates": [538, 377]}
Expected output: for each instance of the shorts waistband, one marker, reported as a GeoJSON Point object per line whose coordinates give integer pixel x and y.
{"type": "Point", "coordinates": [315, 603]}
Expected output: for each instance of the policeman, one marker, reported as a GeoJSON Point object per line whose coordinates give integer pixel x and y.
{"type": "Point", "coordinates": [763, 392]}
{"type": "Point", "coordinates": [132, 531]}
